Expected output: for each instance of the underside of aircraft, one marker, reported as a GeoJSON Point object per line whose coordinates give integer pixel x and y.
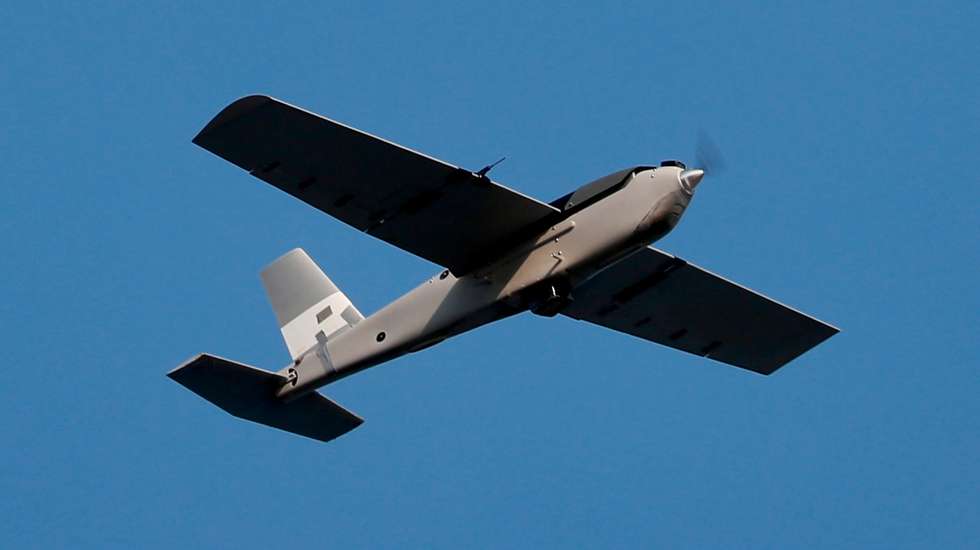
{"type": "Point", "coordinates": [585, 255]}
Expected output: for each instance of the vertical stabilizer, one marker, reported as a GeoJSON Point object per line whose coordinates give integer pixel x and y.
{"type": "Point", "coordinates": [308, 306]}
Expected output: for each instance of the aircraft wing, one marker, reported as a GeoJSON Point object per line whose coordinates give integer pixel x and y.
{"type": "Point", "coordinates": [661, 298]}
{"type": "Point", "coordinates": [440, 212]}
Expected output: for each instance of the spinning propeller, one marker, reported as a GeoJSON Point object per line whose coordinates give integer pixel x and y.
{"type": "Point", "coordinates": [708, 158]}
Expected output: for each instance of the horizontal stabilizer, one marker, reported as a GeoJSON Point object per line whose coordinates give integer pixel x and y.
{"type": "Point", "coordinates": [250, 393]}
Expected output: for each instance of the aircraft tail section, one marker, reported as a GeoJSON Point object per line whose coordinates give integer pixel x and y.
{"type": "Point", "coordinates": [308, 305]}
{"type": "Point", "coordinates": [250, 393]}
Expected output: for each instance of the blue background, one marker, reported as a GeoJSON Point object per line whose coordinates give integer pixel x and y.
{"type": "Point", "coordinates": [851, 137]}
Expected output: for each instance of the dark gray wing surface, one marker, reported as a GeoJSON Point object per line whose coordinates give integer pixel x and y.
{"type": "Point", "coordinates": [249, 393]}
{"type": "Point", "coordinates": [666, 300]}
{"type": "Point", "coordinates": [432, 209]}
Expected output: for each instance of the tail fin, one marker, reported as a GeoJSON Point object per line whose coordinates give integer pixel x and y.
{"type": "Point", "coordinates": [308, 306]}
{"type": "Point", "coordinates": [250, 393]}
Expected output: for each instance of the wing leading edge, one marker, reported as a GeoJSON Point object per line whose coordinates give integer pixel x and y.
{"type": "Point", "coordinates": [440, 212]}
{"type": "Point", "coordinates": [661, 298]}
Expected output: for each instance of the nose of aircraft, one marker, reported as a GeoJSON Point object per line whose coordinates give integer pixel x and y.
{"type": "Point", "coordinates": [691, 178]}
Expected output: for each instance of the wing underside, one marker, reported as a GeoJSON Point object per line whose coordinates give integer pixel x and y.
{"type": "Point", "coordinates": [440, 212]}
{"type": "Point", "coordinates": [658, 297]}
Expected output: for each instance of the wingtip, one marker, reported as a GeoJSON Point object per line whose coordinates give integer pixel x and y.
{"type": "Point", "coordinates": [232, 111]}
{"type": "Point", "coordinates": [191, 360]}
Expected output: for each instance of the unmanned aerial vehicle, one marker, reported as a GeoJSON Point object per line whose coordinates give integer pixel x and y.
{"type": "Point", "coordinates": [585, 255]}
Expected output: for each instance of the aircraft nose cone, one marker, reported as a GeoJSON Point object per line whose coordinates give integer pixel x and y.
{"type": "Point", "coordinates": [691, 178]}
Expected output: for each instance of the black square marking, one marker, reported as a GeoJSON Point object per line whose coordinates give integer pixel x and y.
{"type": "Point", "coordinates": [323, 315]}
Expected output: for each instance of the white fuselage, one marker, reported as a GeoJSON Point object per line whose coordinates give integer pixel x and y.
{"type": "Point", "coordinates": [543, 267]}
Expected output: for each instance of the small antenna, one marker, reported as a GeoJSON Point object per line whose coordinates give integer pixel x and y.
{"type": "Point", "coordinates": [486, 169]}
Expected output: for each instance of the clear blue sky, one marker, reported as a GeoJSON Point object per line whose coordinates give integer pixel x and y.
{"type": "Point", "coordinates": [851, 137]}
